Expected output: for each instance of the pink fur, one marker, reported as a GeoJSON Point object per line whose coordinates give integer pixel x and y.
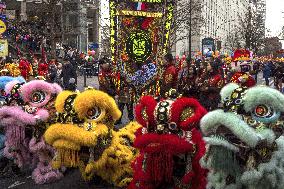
{"type": "Point", "coordinates": [20, 154]}
{"type": "Point", "coordinates": [56, 88]}
{"type": "Point", "coordinates": [15, 115]}
{"type": "Point", "coordinates": [43, 172]}
{"type": "Point", "coordinates": [38, 85]}
{"type": "Point", "coordinates": [29, 151]}
{"type": "Point", "coordinates": [9, 86]}
{"type": "Point", "coordinates": [42, 114]}
{"type": "Point", "coordinates": [15, 135]}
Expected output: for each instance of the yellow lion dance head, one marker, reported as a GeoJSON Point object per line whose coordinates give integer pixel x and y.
{"type": "Point", "coordinates": [84, 137]}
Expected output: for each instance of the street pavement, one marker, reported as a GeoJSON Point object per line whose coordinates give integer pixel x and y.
{"type": "Point", "coordinates": [71, 180]}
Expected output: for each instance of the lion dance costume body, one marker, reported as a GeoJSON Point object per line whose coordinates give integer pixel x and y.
{"type": "Point", "coordinates": [84, 137]}
{"type": "Point", "coordinates": [4, 80]}
{"type": "Point", "coordinates": [170, 144]}
{"type": "Point", "coordinates": [245, 146]}
{"type": "Point", "coordinates": [25, 118]}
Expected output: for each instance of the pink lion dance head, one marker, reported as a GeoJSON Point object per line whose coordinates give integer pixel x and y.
{"type": "Point", "coordinates": [25, 120]}
{"type": "Point", "coordinates": [40, 96]}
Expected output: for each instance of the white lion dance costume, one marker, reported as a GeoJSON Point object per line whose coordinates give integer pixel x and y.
{"type": "Point", "coordinates": [245, 146]}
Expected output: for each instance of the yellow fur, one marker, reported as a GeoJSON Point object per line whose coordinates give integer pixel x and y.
{"type": "Point", "coordinates": [74, 134]}
{"type": "Point", "coordinates": [91, 98]}
{"type": "Point", "coordinates": [60, 100]}
{"type": "Point", "coordinates": [114, 162]}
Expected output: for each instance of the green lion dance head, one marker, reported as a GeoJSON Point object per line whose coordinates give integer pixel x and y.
{"type": "Point", "coordinates": [245, 146]}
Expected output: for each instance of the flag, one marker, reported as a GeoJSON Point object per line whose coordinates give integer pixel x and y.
{"type": "Point", "coordinates": [140, 6]}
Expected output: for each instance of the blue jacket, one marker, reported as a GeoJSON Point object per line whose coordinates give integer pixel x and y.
{"type": "Point", "coordinates": [266, 71]}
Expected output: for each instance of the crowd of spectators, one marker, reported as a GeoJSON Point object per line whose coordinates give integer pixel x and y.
{"type": "Point", "coordinates": [28, 35]}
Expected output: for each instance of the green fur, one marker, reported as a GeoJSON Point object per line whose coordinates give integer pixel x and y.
{"type": "Point", "coordinates": [263, 95]}
{"type": "Point", "coordinates": [227, 90]}
{"type": "Point", "coordinates": [216, 118]}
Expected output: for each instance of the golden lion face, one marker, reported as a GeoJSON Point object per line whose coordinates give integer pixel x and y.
{"type": "Point", "coordinates": [84, 137]}
{"type": "Point", "coordinates": [85, 121]}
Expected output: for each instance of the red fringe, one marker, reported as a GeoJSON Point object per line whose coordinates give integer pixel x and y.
{"type": "Point", "coordinates": [167, 143]}
{"type": "Point", "coordinates": [150, 178]}
{"type": "Point", "coordinates": [149, 103]}
{"type": "Point", "coordinates": [160, 165]}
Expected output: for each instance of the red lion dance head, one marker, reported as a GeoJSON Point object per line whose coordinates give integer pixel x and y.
{"type": "Point", "coordinates": [170, 144]}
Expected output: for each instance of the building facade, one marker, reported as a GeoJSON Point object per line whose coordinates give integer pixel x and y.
{"type": "Point", "coordinates": [220, 19]}
{"type": "Point", "coordinates": [79, 20]}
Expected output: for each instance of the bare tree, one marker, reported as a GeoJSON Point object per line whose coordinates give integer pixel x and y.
{"type": "Point", "coordinates": [181, 21]}
{"type": "Point", "coordinates": [234, 40]}
{"type": "Point", "coordinates": [251, 31]}
{"type": "Point", "coordinates": [271, 46]}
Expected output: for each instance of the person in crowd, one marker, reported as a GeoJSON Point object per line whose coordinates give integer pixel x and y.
{"type": "Point", "coordinates": [24, 66]}
{"type": "Point", "coordinates": [58, 79]}
{"type": "Point", "coordinates": [68, 72]}
{"type": "Point", "coordinates": [71, 85]}
{"type": "Point", "coordinates": [170, 75]}
{"type": "Point", "coordinates": [42, 68]}
{"type": "Point", "coordinates": [52, 71]}
{"type": "Point", "coordinates": [209, 83]}
{"type": "Point", "coordinates": [186, 78]}
{"type": "Point", "coordinates": [279, 76]}
{"type": "Point", "coordinates": [125, 98]}
{"type": "Point", "coordinates": [106, 80]}
{"type": "Point", "coordinates": [267, 72]}
{"type": "Point", "coordinates": [255, 69]}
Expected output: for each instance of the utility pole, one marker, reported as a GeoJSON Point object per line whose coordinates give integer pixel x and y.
{"type": "Point", "coordinates": [23, 10]}
{"type": "Point", "coordinates": [189, 36]}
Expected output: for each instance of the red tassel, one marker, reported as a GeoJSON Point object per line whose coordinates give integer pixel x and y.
{"type": "Point", "coordinates": [160, 166]}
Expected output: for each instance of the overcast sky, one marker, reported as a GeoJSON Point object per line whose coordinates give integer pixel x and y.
{"type": "Point", "coordinates": [274, 16]}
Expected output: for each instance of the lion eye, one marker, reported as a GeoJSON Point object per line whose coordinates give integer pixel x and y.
{"type": "Point", "coordinates": [94, 113]}
{"type": "Point", "coordinates": [261, 111]}
{"type": "Point", "coordinates": [38, 97]}
{"type": "Point", "coordinates": [265, 114]}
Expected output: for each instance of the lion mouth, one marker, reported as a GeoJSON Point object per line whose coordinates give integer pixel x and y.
{"type": "Point", "coordinates": [77, 146]}
{"type": "Point", "coordinates": [225, 135]}
{"type": "Point", "coordinates": [247, 157]}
